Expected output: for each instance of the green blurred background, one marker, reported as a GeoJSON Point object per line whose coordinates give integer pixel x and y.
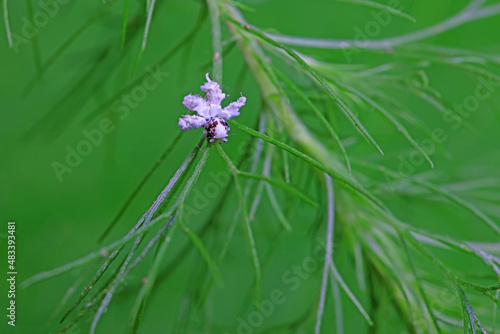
{"type": "Point", "coordinates": [60, 221]}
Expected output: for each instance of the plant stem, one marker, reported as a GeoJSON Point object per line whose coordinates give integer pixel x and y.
{"type": "Point", "coordinates": [213, 8]}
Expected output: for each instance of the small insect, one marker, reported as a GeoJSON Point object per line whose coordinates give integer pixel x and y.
{"type": "Point", "coordinates": [210, 114]}
{"type": "Point", "coordinates": [216, 128]}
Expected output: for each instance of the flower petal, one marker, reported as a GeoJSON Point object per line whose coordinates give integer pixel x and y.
{"type": "Point", "coordinates": [191, 122]}
{"type": "Point", "coordinates": [214, 93]}
{"type": "Point", "coordinates": [233, 109]}
{"type": "Point", "coordinates": [198, 104]}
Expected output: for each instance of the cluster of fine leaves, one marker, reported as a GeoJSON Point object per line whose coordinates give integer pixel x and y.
{"type": "Point", "coordinates": [311, 111]}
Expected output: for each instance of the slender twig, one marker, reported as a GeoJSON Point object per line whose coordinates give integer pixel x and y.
{"type": "Point", "coordinates": [146, 219]}
{"type": "Point", "coordinates": [155, 267]}
{"type": "Point", "coordinates": [328, 251]}
{"type": "Point", "coordinates": [469, 14]}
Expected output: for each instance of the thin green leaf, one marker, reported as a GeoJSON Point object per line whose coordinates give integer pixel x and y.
{"type": "Point", "coordinates": [277, 210]}
{"type": "Point", "coordinates": [377, 5]}
{"type": "Point", "coordinates": [123, 34]}
{"type": "Point", "coordinates": [137, 309]}
{"type": "Point", "coordinates": [464, 204]}
{"type": "Point", "coordinates": [318, 114]}
{"type": "Point", "coordinates": [448, 273]}
{"type": "Point", "coordinates": [419, 285]}
{"type": "Point", "coordinates": [150, 9]}
{"type": "Point", "coordinates": [351, 295]}
{"type": "Point", "coordinates": [392, 119]}
{"type": "Point", "coordinates": [447, 194]}
{"type": "Point", "coordinates": [246, 222]}
{"type": "Point", "coordinates": [357, 188]}
{"type": "Point", "coordinates": [446, 242]}
{"type": "Point", "coordinates": [315, 75]}
{"type": "Point", "coordinates": [465, 314]}
{"type": "Point", "coordinates": [80, 315]}
{"type": "Point", "coordinates": [93, 281]}
{"type": "Point", "coordinates": [203, 251]}
{"type": "Point", "coordinates": [73, 288]}
{"type": "Point", "coordinates": [138, 317]}
{"type": "Point", "coordinates": [291, 189]}
{"type": "Point", "coordinates": [210, 223]}
{"type": "Point", "coordinates": [407, 114]}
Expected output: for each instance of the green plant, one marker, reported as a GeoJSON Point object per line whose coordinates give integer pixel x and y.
{"type": "Point", "coordinates": [399, 267]}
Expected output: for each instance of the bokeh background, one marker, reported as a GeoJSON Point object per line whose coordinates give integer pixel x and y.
{"type": "Point", "coordinates": [60, 219]}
